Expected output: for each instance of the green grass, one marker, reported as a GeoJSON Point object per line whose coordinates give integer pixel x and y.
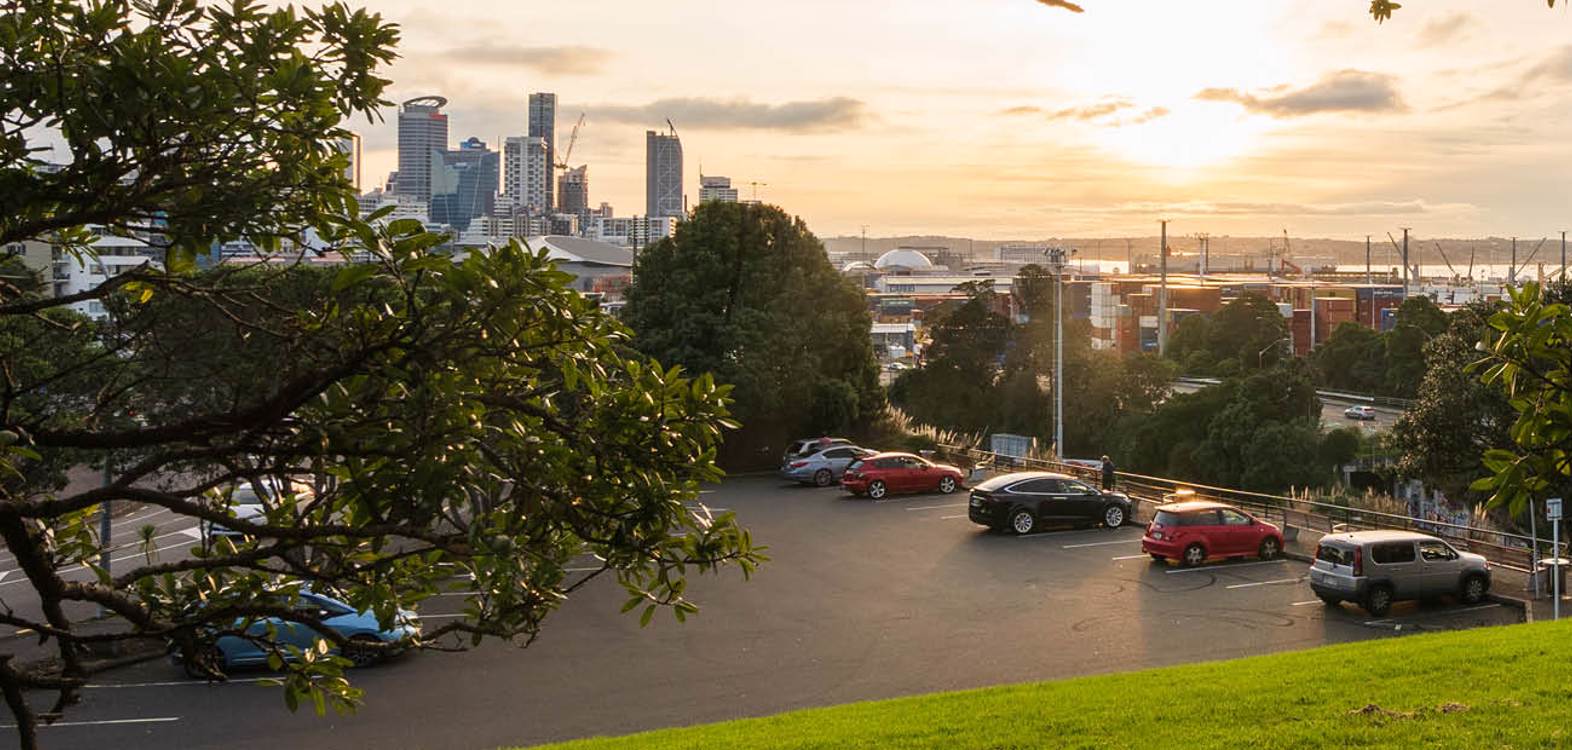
{"type": "Point", "coordinates": [1503, 687]}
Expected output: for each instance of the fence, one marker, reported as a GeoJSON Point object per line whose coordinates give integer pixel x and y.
{"type": "Point", "coordinates": [1296, 515]}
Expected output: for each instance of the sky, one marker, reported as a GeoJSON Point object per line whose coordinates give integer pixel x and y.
{"type": "Point", "coordinates": [1010, 119]}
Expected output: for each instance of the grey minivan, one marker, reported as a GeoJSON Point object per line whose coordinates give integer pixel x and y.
{"type": "Point", "coordinates": [1375, 568]}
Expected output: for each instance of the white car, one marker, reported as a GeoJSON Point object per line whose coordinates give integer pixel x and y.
{"type": "Point", "coordinates": [248, 506]}
{"type": "Point", "coordinates": [1360, 412]}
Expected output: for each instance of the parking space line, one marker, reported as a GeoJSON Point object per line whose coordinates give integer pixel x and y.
{"type": "Point", "coordinates": [1101, 544]}
{"type": "Point", "coordinates": [1129, 557]}
{"type": "Point", "coordinates": [1264, 583]}
{"type": "Point", "coordinates": [951, 518]}
{"type": "Point", "coordinates": [106, 722]}
{"type": "Point", "coordinates": [1304, 604]}
{"type": "Point", "coordinates": [1060, 535]}
{"type": "Point", "coordinates": [1222, 568]}
{"type": "Point", "coordinates": [936, 507]}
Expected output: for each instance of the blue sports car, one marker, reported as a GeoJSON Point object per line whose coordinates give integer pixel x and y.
{"type": "Point", "coordinates": [359, 627]}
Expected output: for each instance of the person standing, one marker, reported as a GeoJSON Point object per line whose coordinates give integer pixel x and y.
{"type": "Point", "coordinates": [1108, 473]}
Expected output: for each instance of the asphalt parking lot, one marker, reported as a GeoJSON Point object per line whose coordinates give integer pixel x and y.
{"type": "Point", "coordinates": [862, 600]}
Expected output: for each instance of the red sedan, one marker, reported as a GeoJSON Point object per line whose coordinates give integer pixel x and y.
{"type": "Point", "coordinates": [879, 475]}
{"type": "Point", "coordinates": [1195, 530]}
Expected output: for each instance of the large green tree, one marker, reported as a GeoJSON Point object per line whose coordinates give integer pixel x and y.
{"type": "Point", "coordinates": [467, 426]}
{"type": "Point", "coordinates": [1418, 322]}
{"type": "Point", "coordinates": [746, 292]}
{"type": "Point", "coordinates": [956, 386]}
{"type": "Point", "coordinates": [1249, 333]}
{"type": "Point", "coordinates": [1353, 359]}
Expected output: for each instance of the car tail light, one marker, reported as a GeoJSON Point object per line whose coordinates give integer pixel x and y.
{"type": "Point", "coordinates": [798, 464]}
{"type": "Point", "coordinates": [1359, 561]}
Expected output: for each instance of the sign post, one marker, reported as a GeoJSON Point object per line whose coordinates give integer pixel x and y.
{"type": "Point", "coordinates": [1553, 512]}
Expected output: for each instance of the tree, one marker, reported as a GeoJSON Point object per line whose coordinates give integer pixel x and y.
{"type": "Point", "coordinates": [1443, 436]}
{"type": "Point", "coordinates": [1190, 346]}
{"type": "Point", "coordinates": [1353, 359]}
{"type": "Point", "coordinates": [1248, 331]}
{"type": "Point", "coordinates": [956, 386]}
{"type": "Point", "coordinates": [466, 426]}
{"type": "Point", "coordinates": [747, 293]}
{"type": "Point", "coordinates": [1418, 322]}
{"type": "Point", "coordinates": [1529, 359]}
{"type": "Point", "coordinates": [1340, 446]}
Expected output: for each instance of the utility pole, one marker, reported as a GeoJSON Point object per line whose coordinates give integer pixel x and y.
{"type": "Point", "coordinates": [1405, 262]}
{"type": "Point", "coordinates": [104, 529]}
{"type": "Point", "coordinates": [1162, 292]}
{"type": "Point", "coordinates": [1367, 261]}
{"type": "Point", "coordinates": [865, 242]}
{"type": "Point", "coordinates": [1563, 256]}
{"type": "Point", "coordinates": [1056, 261]}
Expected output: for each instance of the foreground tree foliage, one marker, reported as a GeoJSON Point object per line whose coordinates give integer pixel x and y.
{"type": "Point", "coordinates": [464, 426]}
{"type": "Point", "coordinates": [746, 292]}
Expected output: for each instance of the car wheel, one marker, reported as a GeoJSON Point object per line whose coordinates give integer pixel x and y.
{"type": "Point", "coordinates": [947, 485]}
{"type": "Point", "coordinates": [1022, 521]}
{"type": "Point", "coordinates": [1113, 516]}
{"type": "Point", "coordinates": [1270, 548]}
{"type": "Point", "coordinates": [1379, 601]}
{"type": "Point", "coordinates": [1194, 555]}
{"type": "Point", "coordinates": [209, 654]}
{"type": "Point", "coordinates": [1474, 589]}
{"type": "Point", "coordinates": [363, 650]}
{"type": "Point", "coordinates": [1331, 601]}
{"type": "Point", "coordinates": [823, 478]}
{"type": "Point", "coordinates": [876, 489]}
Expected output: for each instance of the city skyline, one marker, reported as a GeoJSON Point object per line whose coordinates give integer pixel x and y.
{"type": "Point", "coordinates": [1030, 121]}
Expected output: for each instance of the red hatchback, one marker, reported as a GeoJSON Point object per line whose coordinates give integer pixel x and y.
{"type": "Point", "coordinates": [879, 475]}
{"type": "Point", "coordinates": [1195, 530]}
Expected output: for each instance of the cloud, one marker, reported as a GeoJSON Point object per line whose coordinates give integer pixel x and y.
{"type": "Point", "coordinates": [1343, 91]}
{"type": "Point", "coordinates": [1091, 111]}
{"type": "Point", "coordinates": [1249, 208]}
{"type": "Point", "coordinates": [1445, 29]}
{"type": "Point", "coordinates": [1103, 113]}
{"type": "Point", "coordinates": [1023, 110]}
{"type": "Point", "coordinates": [569, 60]}
{"type": "Point", "coordinates": [1554, 69]}
{"type": "Point", "coordinates": [838, 113]}
{"type": "Point", "coordinates": [1147, 116]}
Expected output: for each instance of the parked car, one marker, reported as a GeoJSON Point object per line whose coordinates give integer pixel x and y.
{"type": "Point", "coordinates": [810, 446]}
{"type": "Point", "coordinates": [1375, 568]}
{"type": "Point", "coordinates": [1360, 412]}
{"type": "Point", "coordinates": [1195, 530]}
{"type": "Point", "coordinates": [247, 505]}
{"type": "Point", "coordinates": [1022, 501]}
{"type": "Point", "coordinates": [825, 467]}
{"type": "Point", "coordinates": [882, 473]}
{"type": "Point", "coordinates": [362, 628]}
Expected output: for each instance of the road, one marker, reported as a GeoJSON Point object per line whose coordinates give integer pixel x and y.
{"type": "Point", "coordinates": [862, 600]}
{"type": "Point", "coordinates": [1332, 411]}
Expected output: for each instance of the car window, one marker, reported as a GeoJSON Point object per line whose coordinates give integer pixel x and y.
{"type": "Point", "coordinates": [1335, 555]}
{"type": "Point", "coordinates": [908, 462]}
{"type": "Point", "coordinates": [887, 463]}
{"type": "Point", "coordinates": [839, 453]}
{"type": "Point", "coordinates": [1234, 518]}
{"type": "Point", "coordinates": [1081, 487]}
{"type": "Point", "coordinates": [1199, 518]}
{"type": "Point", "coordinates": [1388, 553]}
{"type": "Point", "coordinates": [1037, 486]}
{"type": "Point", "coordinates": [1436, 551]}
{"type": "Point", "coordinates": [1165, 518]}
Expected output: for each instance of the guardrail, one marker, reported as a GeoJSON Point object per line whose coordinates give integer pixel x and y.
{"type": "Point", "coordinates": [1401, 404]}
{"type": "Point", "coordinates": [1295, 515]}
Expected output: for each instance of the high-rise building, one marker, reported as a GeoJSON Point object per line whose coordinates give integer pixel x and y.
{"type": "Point", "coordinates": [715, 188]}
{"type": "Point", "coordinates": [526, 170]}
{"type": "Point", "coordinates": [422, 139]}
{"type": "Point", "coordinates": [349, 145]}
{"type": "Point", "coordinates": [663, 175]}
{"type": "Point", "coordinates": [543, 124]}
{"type": "Point", "coordinates": [465, 185]}
{"type": "Point", "coordinates": [573, 191]}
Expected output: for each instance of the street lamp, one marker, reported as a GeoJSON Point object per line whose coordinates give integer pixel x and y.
{"type": "Point", "coordinates": [1260, 357]}
{"type": "Point", "coordinates": [1057, 259]}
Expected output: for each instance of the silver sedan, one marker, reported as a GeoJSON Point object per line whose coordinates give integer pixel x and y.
{"type": "Point", "coordinates": [824, 468]}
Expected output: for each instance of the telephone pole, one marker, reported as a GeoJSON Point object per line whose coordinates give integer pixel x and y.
{"type": "Point", "coordinates": [1056, 262]}
{"type": "Point", "coordinates": [1405, 262]}
{"type": "Point", "coordinates": [1162, 291]}
{"type": "Point", "coordinates": [1367, 260]}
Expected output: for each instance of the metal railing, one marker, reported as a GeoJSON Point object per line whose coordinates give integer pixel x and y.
{"type": "Point", "coordinates": [1295, 515]}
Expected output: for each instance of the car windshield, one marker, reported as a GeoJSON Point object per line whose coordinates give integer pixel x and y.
{"type": "Point", "coordinates": [1166, 518]}
{"type": "Point", "coordinates": [1334, 554]}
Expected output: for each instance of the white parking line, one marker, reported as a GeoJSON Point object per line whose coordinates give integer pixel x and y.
{"type": "Point", "coordinates": [1265, 583]}
{"type": "Point", "coordinates": [108, 722]}
{"type": "Point", "coordinates": [1101, 544]}
{"type": "Point", "coordinates": [948, 518]}
{"type": "Point", "coordinates": [174, 683]}
{"type": "Point", "coordinates": [1222, 568]}
{"type": "Point", "coordinates": [1129, 557]}
{"type": "Point", "coordinates": [937, 507]}
{"type": "Point", "coordinates": [1306, 604]}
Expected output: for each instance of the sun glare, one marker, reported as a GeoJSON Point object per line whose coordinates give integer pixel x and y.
{"type": "Point", "coordinates": [1190, 136]}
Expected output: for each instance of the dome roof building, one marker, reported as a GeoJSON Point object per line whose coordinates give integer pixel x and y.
{"type": "Point", "coordinates": [903, 259]}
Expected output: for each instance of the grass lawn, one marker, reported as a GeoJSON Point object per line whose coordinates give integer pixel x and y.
{"type": "Point", "coordinates": [1503, 687]}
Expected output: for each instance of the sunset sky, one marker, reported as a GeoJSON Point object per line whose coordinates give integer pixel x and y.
{"type": "Point", "coordinates": [1008, 119]}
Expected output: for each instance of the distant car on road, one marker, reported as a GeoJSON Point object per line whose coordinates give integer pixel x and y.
{"type": "Point", "coordinates": [883, 473]}
{"type": "Point", "coordinates": [1022, 501]}
{"type": "Point", "coordinates": [1195, 530]}
{"type": "Point", "coordinates": [361, 628]}
{"type": "Point", "coordinates": [825, 467]}
{"type": "Point", "coordinates": [810, 446]}
{"type": "Point", "coordinates": [1360, 412]}
{"type": "Point", "coordinates": [1375, 568]}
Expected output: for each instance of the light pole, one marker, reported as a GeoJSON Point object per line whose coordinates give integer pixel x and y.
{"type": "Point", "coordinates": [1056, 262]}
{"type": "Point", "coordinates": [1260, 357]}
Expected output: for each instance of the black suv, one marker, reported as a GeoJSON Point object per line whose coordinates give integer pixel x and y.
{"type": "Point", "coordinates": [1019, 502]}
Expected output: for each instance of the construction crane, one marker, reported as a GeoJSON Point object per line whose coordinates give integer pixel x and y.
{"type": "Point", "coordinates": [572, 139]}
{"type": "Point", "coordinates": [1444, 259]}
{"type": "Point", "coordinates": [755, 185]}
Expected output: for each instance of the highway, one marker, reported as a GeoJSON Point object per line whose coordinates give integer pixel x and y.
{"type": "Point", "coordinates": [1332, 409]}
{"type": "Point", "coordinates": [862, 600]}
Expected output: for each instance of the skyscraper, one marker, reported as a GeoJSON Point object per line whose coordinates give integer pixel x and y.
{"type": "Point", "coordinates": [525, 168]}
{"type": "Point", "coordinates": [422, 138]}
{"type": "Point", "coordinates": [465, 186]}
{"type": "Point", "coordinates": [543, 124]}
{"type": "Point", "coordinates": [349, 145]}
{"type": "Point", "coordinates": [573, 191]}
{"type": "Point", "coordinates": [662, 175]}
